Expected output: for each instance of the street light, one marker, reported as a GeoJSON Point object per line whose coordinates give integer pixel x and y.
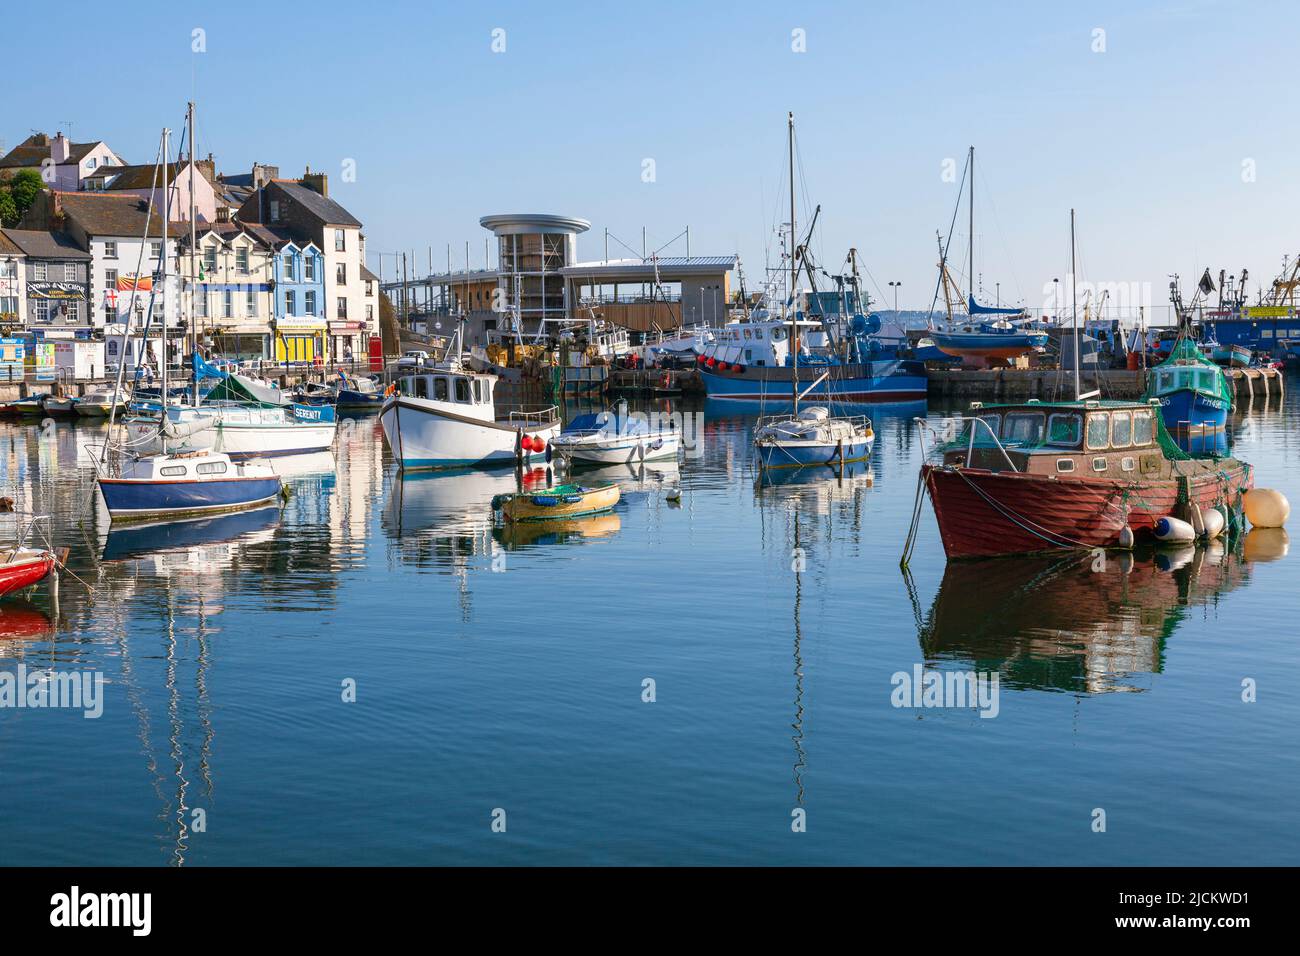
{"type": "Point", "coordinates": [895, 286]}
{"type": "Point", "coordinates": [1056, 301]}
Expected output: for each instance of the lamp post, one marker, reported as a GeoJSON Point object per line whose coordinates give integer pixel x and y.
{"type": "Point", "coordinates": [1056, 301]}
{"type": "Point", "coordinates": [895, 286]}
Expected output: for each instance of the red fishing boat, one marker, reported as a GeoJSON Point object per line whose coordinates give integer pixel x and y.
{"type": "Point", "coordinates": [1049, 475]}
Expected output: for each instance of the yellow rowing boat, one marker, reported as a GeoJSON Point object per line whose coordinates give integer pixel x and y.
{"type": "Point", "coordinates": [562, 501]}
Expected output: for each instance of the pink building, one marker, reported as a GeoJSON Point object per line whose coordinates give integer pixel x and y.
{"type": "Point", "coordinates": [146, 182]}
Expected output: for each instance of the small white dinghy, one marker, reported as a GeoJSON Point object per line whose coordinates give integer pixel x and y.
{"type": "Point", "coordinates": [616, 437]}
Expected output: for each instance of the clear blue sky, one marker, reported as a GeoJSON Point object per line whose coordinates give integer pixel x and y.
{"type": "Point", "coordinates": [1147, 139]}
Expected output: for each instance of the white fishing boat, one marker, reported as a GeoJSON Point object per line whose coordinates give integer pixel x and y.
{"type": "Point", "coordinates": [616, 437]}
{"type": "Point", "coordinates": [447, 417]}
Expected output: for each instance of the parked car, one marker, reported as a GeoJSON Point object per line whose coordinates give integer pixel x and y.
{"type": "Point", "coordinates": [415, 358]}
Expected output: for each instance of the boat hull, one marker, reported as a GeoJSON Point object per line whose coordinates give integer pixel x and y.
{"type": "Point", "coordinates": [141, 498]}
{"type": "Point", "coordinates": [618, 451]}
{"type": "Point", "coordinates": [241, 441]}
{"type": "Point", "coordinates": [24, 572]}
{"type": "Point", "coordinates": [1232, 356]}
{"type": "Point", "coordinates": [985, 513]}
{"type": "Point", "coordinates": [422, 438]}
{"type": "Point", "coordinates": [889, 381]}
{"type": "Point", "coordinates": [990, 345]}
{"type": "Point", "coordinates": [797, 454]}
{"type": "Point", "coordinates": [1198, 423]}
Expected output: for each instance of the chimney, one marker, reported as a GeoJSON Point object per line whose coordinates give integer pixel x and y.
{"type": "Point", "coordinates": [264, 174]}
{"type": "Point", "coordinates": [60, 149]}
{"type": "Point", "coordinates": [316, 182]}
{"type": "Point", "coordinates": [207, 167]}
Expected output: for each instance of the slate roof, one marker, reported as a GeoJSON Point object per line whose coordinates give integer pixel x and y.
{"type": "Point", "coordinates": [326, 210]}
{"type": "Point", "coordinates": [102, 214]}
{"type": "Point", "coordinates": [40, 244]}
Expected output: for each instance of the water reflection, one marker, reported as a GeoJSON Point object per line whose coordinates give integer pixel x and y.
{"type": "Point", "coordinates": [1078, 622]}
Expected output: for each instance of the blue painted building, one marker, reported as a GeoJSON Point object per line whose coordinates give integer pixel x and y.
{"type": "Point", "coordinates": [298, 297]}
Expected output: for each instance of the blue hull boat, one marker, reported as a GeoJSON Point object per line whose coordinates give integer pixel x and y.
{"type": "Point", "coordinates": [185, 485]}
{"type": "Point", "coordinates": [1194, 399]}
{"type": "Point", "coordinates": [859, 383]}
{"type": "Point", "coordinates": [787, 456]}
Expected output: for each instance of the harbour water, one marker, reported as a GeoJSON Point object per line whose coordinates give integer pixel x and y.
{"type": "Point", "coordinates": [507, 671]}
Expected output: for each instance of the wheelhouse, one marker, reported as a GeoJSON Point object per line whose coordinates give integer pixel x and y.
{"type": "Point", "coordinates": [453, 387]}
{"type": "Point", "coordinates": [1187, 378]}
{"type": "Point", "coordinates": [1093, 438]}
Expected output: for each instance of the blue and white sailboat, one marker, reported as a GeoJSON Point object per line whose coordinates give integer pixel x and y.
{"type": "Point", "coordinates": [183, 484]}
{"type": "Point", "coordinates": [813, 436]}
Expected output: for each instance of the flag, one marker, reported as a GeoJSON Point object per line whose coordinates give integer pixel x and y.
{"type": "Point", "coordinates": [131, 282]}
{"type": "Point", "coordinates": [1207, 284]}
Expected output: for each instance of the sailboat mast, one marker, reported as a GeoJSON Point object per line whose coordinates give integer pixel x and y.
{"type": "Point", "coordinates": [1074, 294]}
{"type": "Point", "coordinates": [794, 273]}
{"type": "Point", "coordinates": [167, 205]}
{"type": "Point", "coordinates": [970, 239]}
{"type": "Point", "coordinates": [194, 236]}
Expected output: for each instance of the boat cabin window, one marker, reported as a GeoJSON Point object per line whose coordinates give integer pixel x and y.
{"type": "Point", "coordinates": [211, 468]}
{"type": "Point", "coordinates": [172, 471]}
{"type": "Point", "coordinates": [1023, 427]}
{"type": "Point", "coordinates": [462, 389]}
{"type": "Point", "coordinates": [1121, 429]}
{"type": "Point", "coordinates": [758, 333]}
{"type": "Point", "coordinates": [778, 335]}
{"type": "Point", "coordinates": [982, 434]}
{"type": "Point", "coordinates": [1098, 429]}
{"type": "Point", "coordinates": [1142, 428]}
{"type": "Point", "coordinates": [1065, 429]}
{"type": "Point", "coordinates": [421, 387]}
{"type": "Point", "coordinates": [748, 334]}
{"type": "Point", "coordinates": [478, 391]}
{"type": "Point", "coordinates": [440, 389]}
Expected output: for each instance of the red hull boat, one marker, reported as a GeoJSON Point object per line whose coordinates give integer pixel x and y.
{"type": "Point", "coordinates": [1044, 476]}
{"type": "Point", "coordinates": [23, 567]}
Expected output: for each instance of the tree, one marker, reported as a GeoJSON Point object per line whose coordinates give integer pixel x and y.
{"type": "Point", "coordinates": [18, 194]}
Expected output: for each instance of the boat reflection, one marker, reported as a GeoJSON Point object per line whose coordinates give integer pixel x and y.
{"type": "Point", "coordinates": [196, 538]}
{"type": "Point", "coordinates": [513, 535]}
{"type": "Point", "coordinates": [20, 624]}
{"type": "Point", "coordinates": [1086, 622]}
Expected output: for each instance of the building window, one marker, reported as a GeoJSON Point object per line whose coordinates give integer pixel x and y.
{"type": "Point", "coordinates": [343, 307]}
{"type": "Point", "coordinates": [289, 268]}
{"type": "Point", "coordinates": [110, 250]}
{"type": "Point", "coordinates": [310, 296]}
{"type": "Point", "coordinates": [370, 315]}
{"type": "Point", "coordinates": [370, 290]}
{"type": "Point", "coordinates": [210, 259]}
{"type": "Point", "coordinates": [155, 250]}
{"type": "Point", "coordinates": [309, 268]}
{"type": "Point", "coordinates": [42, 310]}
{"type": "Point", "coordinates": [201, 303]}
{"type": "Point", "coordinates": [275, 210]}
{"type": "Point", "coordinates": [228, 306]}
{"type": "Point", "coordinates": [91, 162]}
{"type": "Point", "coordinates": [241, 261]}
{"type": "Point", "coordinates": [110, 278]}
{"type": "Point", "coordinates": [290, 303]}
{"type": "Point", "coordinates": [339, 244]}
{"type": "Point", "coordinates": [69, 272]}
{"type": "Point", "coordinates": [341, 274]}
{"type": "Point", "coordinates": [39, 271]}
{"type": "Point", "coordinates": [250, 302]}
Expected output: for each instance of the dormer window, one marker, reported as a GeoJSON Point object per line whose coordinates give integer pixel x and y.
{"type": "Point", "coordinates": [275, 210]}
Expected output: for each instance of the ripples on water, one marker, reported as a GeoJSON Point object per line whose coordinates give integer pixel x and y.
{"type": "Point", "coordinates": [504, 668]}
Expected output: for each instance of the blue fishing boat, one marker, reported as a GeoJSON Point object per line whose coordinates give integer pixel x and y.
{"type": "Point", "coordinates": [1194, 398]}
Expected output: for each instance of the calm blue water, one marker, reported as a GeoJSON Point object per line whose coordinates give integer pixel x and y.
{"type": "Point", "coordinates": [497, 670]}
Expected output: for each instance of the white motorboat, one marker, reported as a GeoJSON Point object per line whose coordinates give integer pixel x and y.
{"type": "Point", "coordinates": [616, 437]}
{"type": "Point", "coordinates": [812, 437]}
{"type": "Point", "coordinates": [100, 402]}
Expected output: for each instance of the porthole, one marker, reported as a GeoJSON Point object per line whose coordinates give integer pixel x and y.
{"type": "Point", "coordinates": [1065, 464]}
